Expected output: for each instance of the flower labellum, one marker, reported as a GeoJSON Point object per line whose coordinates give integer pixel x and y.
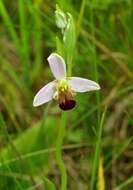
{"type": "Point", "coordinates": [62, 89]}
{"type": "Point", "coordinates": [66, 100]}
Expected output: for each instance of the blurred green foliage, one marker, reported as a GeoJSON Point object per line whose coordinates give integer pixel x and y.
{"type": "Point", "coordinates": [103, 52]}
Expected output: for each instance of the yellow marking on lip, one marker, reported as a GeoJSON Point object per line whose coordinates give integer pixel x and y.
{"type": "Point", "coordinates": [62, 89]}
{"type": "Point", "coordinates": [63, 85]}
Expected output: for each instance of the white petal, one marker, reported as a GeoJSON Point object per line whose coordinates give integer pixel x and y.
{"type": "Point", "coordinates": [57, 65]}
{"type": "Point", "coordinates": [45, 94]}
{"type": "Point", "coordinates": [83, 85]}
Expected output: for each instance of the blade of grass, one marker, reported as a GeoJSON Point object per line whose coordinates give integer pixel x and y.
{"type": "Point", "coordinates": [49, 184]}
{"type": "Point", "coordinates": [18, 184]}
{"type": "Point", "coordinates": [37, 36]}
{"type": "Point", "coordinates": [25, 41]}
{"type": "Point", "coordinates": [95, 61]}
{"type": "Point", "coordinates": [9, 24]}
{"type": "Point", "coordinates": [124, 184]}
{"type": "Point", "coordinates": [43, 151]}
{"type": "Point", "coordinates": [9, 70]}
{"type": "Point", "coordinates": [123, 147]}
{"type": "Point", "coordinates": [97, 151]}
{"type": "Point", "coordinates": [8, 139]}
{"type": "Point", "coordinates": [15, 151]}
{"type": "Point", "coordinates": [80, 18]}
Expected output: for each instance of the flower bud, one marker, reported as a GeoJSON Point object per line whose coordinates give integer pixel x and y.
{"type": "Point", "coordinates": [61, 20]}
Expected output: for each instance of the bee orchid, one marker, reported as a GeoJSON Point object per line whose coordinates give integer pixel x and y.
{"type": "Point", "coordinates": [63, 88]}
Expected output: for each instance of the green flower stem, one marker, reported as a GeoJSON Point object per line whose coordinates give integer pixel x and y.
{"type": "Point", "coordinates": [59, 144]}
{"type": "Point", "coordinates": [68, 47]}
{"type": "Point", "coordinates": [69, 70]}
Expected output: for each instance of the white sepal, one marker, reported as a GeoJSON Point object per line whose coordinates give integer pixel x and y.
{"type": "Point", "coordinates": [83, 85]}
{"type": "Point", "coordinates": [45, 94]}
{"type": "Point", "coordinates": [57, 65]}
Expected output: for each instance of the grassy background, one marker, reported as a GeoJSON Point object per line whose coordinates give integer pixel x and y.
{"type": "Point", "coordinates": [103, 53]}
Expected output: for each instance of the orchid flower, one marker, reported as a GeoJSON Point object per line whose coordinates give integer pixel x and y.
{"type": "Point", "coordinates": [63, 88]}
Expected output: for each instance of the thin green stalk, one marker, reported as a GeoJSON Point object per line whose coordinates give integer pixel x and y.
{"type": "Point", "coordinates": [97, 152]}
{"type": "Point", "coordinates": [69, 70]}
{"type": "Point", "coordinates": [59, 151]}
